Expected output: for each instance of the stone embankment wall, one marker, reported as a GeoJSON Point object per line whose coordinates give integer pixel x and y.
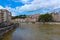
{"type": "Point", "coordinates": [7, 29]}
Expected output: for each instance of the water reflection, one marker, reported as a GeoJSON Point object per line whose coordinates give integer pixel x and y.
{"type": "Point", "coordinates": [34, 32]}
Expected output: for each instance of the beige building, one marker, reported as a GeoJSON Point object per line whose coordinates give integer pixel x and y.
{"type": "Point", "coordinates": [56, 16]}
{"type": "Point", "coordinates": [5, 15]}
{"type": "Point", "coordinates": [32, 18]}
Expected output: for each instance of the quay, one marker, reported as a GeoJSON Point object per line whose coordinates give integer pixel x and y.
{"type": "Point", "coordinates": [7, 29]}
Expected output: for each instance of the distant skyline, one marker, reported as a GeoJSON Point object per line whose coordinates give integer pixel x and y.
{"type": "Point", "coordinates": [28, 7]}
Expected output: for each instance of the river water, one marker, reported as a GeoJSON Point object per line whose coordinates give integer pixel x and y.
{"type": "Point", "coordinates": [34, 32]}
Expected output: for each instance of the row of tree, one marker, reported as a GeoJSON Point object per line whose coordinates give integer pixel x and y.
{"type": "Point", "coordinates": [45, 18]}
{"type": "Point", "coordinates": [19, 16]}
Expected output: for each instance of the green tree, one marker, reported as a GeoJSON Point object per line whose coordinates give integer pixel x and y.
{"type": "Point", "coordinates": [45, 18]}
{"type": "Point", "coordinates": [19, 16]}
{"type": "Point", "coordinates": [22, 16]}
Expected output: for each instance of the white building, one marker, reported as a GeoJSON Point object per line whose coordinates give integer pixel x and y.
{"type": "Point", "coordinates": [5, 16]}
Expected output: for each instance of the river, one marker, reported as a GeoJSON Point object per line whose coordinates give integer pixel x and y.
{"type": "Point", "coordinates": [28, 31]}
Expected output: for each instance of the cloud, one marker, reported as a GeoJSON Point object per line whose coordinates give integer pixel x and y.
{"type": "Point", "coordinates": [14, 11]}
{"type": "Point", "coordinates": [37, 5]}
{"type": "Point", "coordinates": [41, 4]}
{"type": "Point", "coordinates": [33, 5]}
{"type": "Point", "coordinates": [23, 1]}
{"type": "Point", "coordinates": [1, 7]}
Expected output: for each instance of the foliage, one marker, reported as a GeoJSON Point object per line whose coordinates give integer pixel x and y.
{"type": "Point", "coordinates": [45, 18]}
{"type": "Point", "coordinates": [20, 16]}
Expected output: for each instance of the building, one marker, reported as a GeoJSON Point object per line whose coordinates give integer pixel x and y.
{"type": "Point", "coordinates": [30, 18]}
{"type": "Point", "coordinates": [34, 18]}
{"type": "Point", "coordinates": [56, 16]}
{"type": "Point", "coordinates": [5, 15]}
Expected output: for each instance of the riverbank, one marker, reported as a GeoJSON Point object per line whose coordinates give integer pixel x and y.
{"type": "Point", "coordinates": [42, 23]}
{"type": "Point", "coordinates": [49, 23]}
{"type": "Point", "coordinates": [7, 29]}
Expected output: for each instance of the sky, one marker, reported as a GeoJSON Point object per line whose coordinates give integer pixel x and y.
{"type": "Point", "coordinates": [30, 7]}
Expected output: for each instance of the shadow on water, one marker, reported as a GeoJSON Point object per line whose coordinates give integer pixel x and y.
{"type": "Point", "coordinates": [8, 34]}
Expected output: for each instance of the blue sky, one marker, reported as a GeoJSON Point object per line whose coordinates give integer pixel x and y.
{"type": "Point", "coordinates": [29, 7]}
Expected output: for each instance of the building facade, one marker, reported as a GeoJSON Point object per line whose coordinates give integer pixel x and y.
{"type": "Point", "coordinates": [32, 18]}
{"type": "Point", "coordinates": [56, 16]}
{"type": "Point", "coordinates": [5, 15]}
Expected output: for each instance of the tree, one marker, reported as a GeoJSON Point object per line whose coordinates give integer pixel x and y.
{"type": "Point", "coordinates": [22, 16]}
{"type": "Point", "coordinates": [19, 16]}
{"type": "Point", "coordinates": [45, 18]}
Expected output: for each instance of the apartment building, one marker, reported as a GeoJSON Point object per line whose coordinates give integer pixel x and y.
{"type": "Point", "coordinates": [56, 16]}
{"type": "Point", "coordinates": [30, 18]}
{"type": "Point", "coordinates": [5, 15]}
{"type": "Point", "coordinates": [34, 18]}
